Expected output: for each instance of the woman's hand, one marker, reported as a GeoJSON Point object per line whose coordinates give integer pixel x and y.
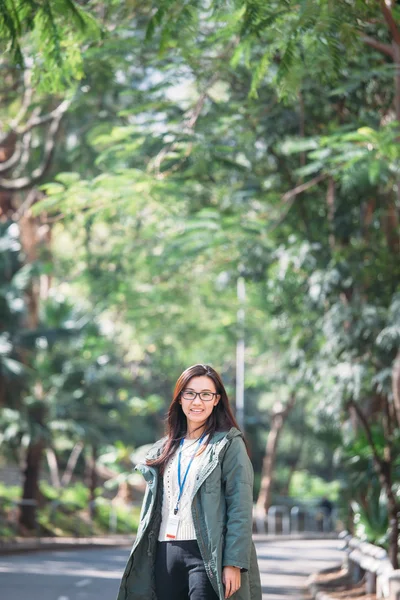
{"type": "Point", "coordinates": [231, 580]}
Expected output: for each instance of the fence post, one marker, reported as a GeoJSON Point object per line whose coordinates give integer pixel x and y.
{"type": "Point", "coordinates": [271, 519]}
{"type": "Point", "coordinates": [394, 585]}
{"type": "Point", "coordinates": [285, 521]}
{"type": "Point", "coordinates": [294, 513]}
{"type": "Point", "coordinates": [113, 519]}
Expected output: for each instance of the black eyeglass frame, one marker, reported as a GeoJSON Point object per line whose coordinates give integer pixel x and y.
{"type": "Point", "coordinates": [199, 395]}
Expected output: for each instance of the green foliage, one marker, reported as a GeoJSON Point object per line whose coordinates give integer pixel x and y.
{"type": "Point", "coordinates": [308, 487]}
{"type": "Point", "coordinates": [48, 36]}
{"type": "Point", "coordinates": [126, 519]}
{"type": "Point", "coordinates": [9, 492]}
{"type": "Point", "coordinates": [67, 513]}
{"type": "Point", "coordinates": [246, 138]}
{"type": "Point", "coordinates": [371, 519]}
{"type": "Point", "coordinates": [76, 494]}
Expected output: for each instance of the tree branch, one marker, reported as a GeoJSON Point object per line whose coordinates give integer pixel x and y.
{"type": "Point", "coordinates": [391, 23]}
{"type": "Point", "coordinates": [73, 459]}
{"type": "Point", "coordinates": [188, 125]}
{"type": "Point", "coordinates": [29, 200]}
{"type": "Point", "coordinates": [26, 102]}
{"type": "Point", "coordinates": [37, 120]}
{"type": "Point", "coordinates": [290, 196]}
{"type": "Point", "coordinates": [23, 183]}
{"type": "Point", "coordinates": [384, 48]}
{"type": "Point", "coordinates": [363, 420]}
{"type": "Point", "coordinates": [13, 160]}
{"type": "Point", "coordinates": [303, 187]}
{"type": "Point", "coordinates": [193, 114]}
{"type": "Point", "coordinates": [189, 120]}
{"type": "Point", "coordinates": [25, 156]}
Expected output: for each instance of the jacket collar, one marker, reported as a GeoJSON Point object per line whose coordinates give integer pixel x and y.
{"type": "Point", "coordinates": [156, 450]}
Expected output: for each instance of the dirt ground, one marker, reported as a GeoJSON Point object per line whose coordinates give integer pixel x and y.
{"type": "Point", "coordinates": [338, 585]}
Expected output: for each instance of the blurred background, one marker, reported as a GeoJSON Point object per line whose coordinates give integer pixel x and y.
{"type": "Point", "coordinates": [204, 182]}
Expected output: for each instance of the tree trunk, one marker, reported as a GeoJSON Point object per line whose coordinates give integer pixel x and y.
{"type": "Point", "coordinates": [71, 464]}
{"type": "Point", "coordinates": [92, 480]}
{"type": "Point", "coordinates": [292, 470]}
{"type": "Point", "coordinates": [7, 148]}
{"type": "Point", "coordinates": [53, 467]}
{"type": "Point", "coordinates": [392, 216]}
{"type": "Point", "coordinates": [396, 387]}
{"type": "Point", "coordinates": [394, 530]}
{"type": "Point", "coordinates": [30, 495]}
{"type": "Point", "coordinates": [391, 219]}
{"type": "Point", "coordinates": [278, 420]}
{"type": "Point", "coordinates": [384, 469]}
{"type": "Point", "coordinates": [31, 239]}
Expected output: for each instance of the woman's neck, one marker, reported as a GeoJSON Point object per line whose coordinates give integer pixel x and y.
{"type": "Point", "coordinates": [194, 434]}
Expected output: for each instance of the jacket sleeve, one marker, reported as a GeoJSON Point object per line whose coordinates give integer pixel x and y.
{"type": "Point", "coordinates": [237, 477]}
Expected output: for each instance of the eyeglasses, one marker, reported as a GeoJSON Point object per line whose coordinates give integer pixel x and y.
{"type": "Point", "coordinates": [205, 396]}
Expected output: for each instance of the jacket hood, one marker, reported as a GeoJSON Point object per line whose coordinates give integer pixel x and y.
{"type": "Point", "coordinates": [156, 449]}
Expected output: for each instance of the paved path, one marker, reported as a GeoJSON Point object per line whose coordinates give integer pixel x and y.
{"type": "Point", "coordinates": [74, 574]}
{"type": "Point", "coordinates": [94, 574]}
{"type": "Point", "coordinates": [285, 565]}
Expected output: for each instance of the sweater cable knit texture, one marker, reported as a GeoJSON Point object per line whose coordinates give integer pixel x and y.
{"type": "Point", "coordinates": [186, 530]}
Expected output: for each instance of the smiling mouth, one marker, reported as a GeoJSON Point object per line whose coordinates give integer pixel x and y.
{"type": "Point", "coordinates": [196, 411]}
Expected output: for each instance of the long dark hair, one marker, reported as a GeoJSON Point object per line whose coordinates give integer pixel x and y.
{"type": "Point", "coordinates": [221, 418]}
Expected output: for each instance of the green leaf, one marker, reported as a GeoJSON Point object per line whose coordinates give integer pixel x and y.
{"type": "Point", "coordinates": [374, 171]}
{"type": "Point", "coordinates": [296, 145]}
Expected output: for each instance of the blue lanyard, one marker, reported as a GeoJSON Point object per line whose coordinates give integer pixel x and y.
{"type": "Point", "coordinates": [180, 482]}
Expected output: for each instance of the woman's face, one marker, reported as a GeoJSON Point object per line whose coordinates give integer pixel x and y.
{"type": "Point", "coordinates": [197, 410]}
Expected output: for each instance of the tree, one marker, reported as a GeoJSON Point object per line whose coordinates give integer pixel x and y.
{"type": "Point", "coordinates": [279, 416]}
{"type": "Point", "coordinates": [253, 139]}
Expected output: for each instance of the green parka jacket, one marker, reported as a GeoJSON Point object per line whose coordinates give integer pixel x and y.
{"type": "Point", "coordinates": [222, 515]}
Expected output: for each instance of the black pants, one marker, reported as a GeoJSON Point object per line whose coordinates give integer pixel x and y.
{"type": "Point", "coordinates": [180, 572]}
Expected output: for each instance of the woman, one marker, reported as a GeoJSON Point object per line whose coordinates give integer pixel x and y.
{"type": "Point", "coordinates": [194, 538]}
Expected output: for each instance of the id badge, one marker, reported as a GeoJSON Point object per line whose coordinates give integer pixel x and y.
{"type": "Point", "coordinates": [172, 527]}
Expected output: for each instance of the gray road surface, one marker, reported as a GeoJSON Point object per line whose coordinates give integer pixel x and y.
{"type": "Point", "coordinates": [285, 565]}
{"type": "Point", "coordinates": [95, 574]}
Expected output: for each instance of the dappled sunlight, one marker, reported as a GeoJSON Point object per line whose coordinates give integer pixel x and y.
{"type": "Point", "coordinates": [286, 565]}
{"type": "Point", "coordinates": [96, 564]}
{"type": "Point", "coordinates": [52, 569]}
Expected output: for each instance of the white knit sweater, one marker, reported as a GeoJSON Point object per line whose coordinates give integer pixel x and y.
{"type": "Point", "coordinates": [186, 529]}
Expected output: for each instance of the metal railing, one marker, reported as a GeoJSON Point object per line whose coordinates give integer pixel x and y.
{"type": "Point", "coordinates": [280, 519]}
{"type": "Point", "coordinates": [369, 563]}
{"type": "Point", "coordinates": [286, 520]}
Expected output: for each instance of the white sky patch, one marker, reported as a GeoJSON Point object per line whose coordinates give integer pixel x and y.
{"type": "Point", "coordinates": [71, 141]}
{"type": "Point", "coordinates": [153, 77]}
{"type": "Point", "coordinates": [120, 76]}
{"type": "Point", "coordinates": [184, 94]}
{"type": "Point", "coordinates": [219, 92]}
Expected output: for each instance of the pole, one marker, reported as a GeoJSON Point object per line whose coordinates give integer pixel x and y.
{"type": "Point", "coordinates": [241, 296]}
